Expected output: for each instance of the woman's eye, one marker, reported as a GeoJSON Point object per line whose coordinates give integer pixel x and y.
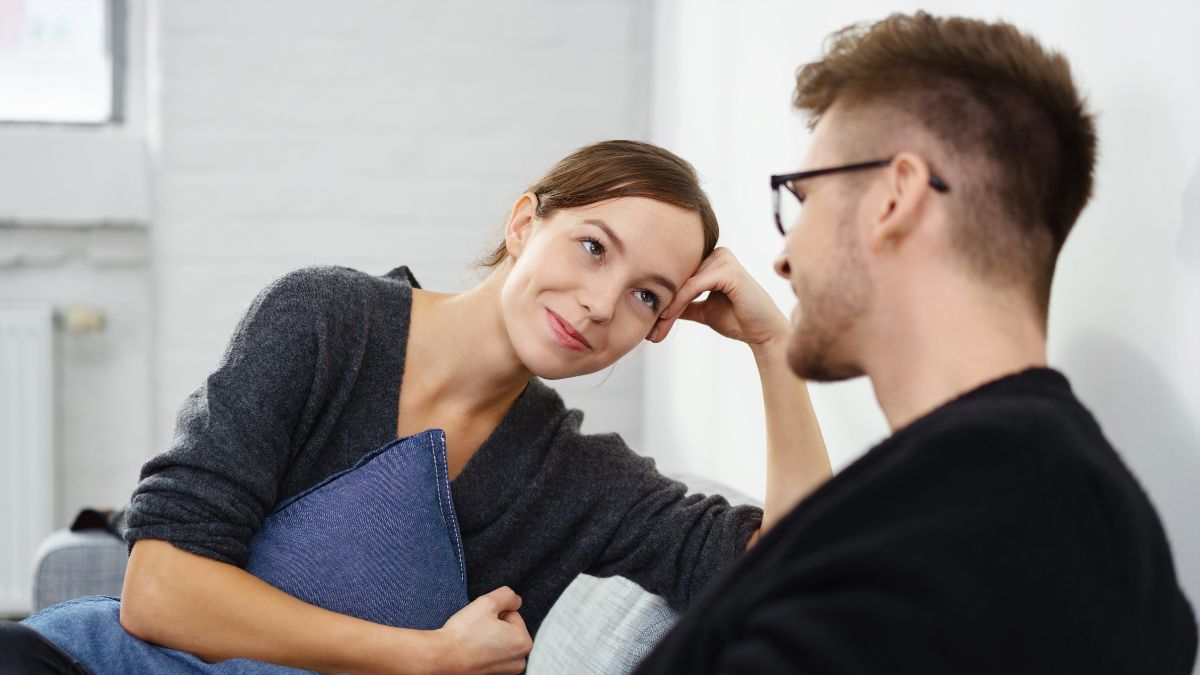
{"type": "Point", "coordinates": [593, 247]}
{"type": "Point", "coordinates": [648, 298]}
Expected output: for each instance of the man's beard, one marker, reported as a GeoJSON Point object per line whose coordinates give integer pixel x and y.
{"type": "Point", "coordinates": [829, 309]}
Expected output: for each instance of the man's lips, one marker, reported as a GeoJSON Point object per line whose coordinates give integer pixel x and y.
{"type": "Point", "coordinates": [565, 334]}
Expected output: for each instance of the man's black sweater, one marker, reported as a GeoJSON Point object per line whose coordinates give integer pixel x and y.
{"type": "Point", "coordinates": [1000, 533]}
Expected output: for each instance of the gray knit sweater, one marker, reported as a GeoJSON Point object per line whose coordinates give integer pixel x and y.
{"type": "Point", "coordinates": [310, 382]}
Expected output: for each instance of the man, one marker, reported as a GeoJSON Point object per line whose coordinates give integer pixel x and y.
{"type": "Point", "coordinates": [996, 530]}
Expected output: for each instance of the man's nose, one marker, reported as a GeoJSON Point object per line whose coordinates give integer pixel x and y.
{"type": "Point", "coordinates": [782, 267]}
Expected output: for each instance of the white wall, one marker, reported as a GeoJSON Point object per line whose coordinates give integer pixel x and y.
{"type": "Point", "coordinates": [1125, 316]}
{"type": "Point", "coordinates": [292, 132]}
{"type": "Point", "coordinates": [73, 207]}
{"type": "Point", "coordinates": [369, 134]}
{"type": "Point", "coordinates": [103, 382]}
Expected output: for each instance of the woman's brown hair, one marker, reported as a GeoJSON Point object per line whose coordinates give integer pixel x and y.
{"type": "Point", "coordinates": [615, 169]}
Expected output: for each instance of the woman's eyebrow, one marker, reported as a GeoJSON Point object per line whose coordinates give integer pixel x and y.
{"type": "Point", "coordinates": [607, 230]}
{"type": "Point", "coordinates": [620, 246]}
{"type": "Point", "coordinates": [664, 282]}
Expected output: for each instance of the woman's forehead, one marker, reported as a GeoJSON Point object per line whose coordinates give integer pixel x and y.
{"type": "Point", "coordinates": [666, 237]}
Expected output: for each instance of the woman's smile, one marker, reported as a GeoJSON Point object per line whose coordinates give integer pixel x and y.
{"type": "Point", "coordinates": [565, 335]}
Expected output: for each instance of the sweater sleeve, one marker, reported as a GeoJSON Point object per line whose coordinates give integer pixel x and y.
{"type": "Point", "coordinates": [667, 541]}
{"type": "Point", "coordinates": [211, 489]}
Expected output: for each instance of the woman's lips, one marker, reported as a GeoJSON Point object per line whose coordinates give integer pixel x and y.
{"type": "Point", "coordinates": [565, 335]}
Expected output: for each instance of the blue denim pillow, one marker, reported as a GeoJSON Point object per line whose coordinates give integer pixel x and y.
{"type": "Point", "coordinates": [379, 541]}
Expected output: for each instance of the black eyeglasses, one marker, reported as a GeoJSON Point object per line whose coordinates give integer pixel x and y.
{"type": "Point", "coordinates": [787, 179]}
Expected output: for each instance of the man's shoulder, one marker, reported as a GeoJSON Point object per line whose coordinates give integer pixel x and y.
{"type": "Point", "coordinates": [1003, 459]}
{"type": "Point", "coordinates": [1043, 430]}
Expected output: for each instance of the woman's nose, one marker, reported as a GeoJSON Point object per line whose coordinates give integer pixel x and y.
{"type": "Point", "coordinates": [599, 303]}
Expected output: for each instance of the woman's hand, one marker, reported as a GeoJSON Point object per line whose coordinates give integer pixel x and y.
{"type": "Point", "coordinates": [736, 307]}
{"type": "Point", "coordinates": [486, 636]}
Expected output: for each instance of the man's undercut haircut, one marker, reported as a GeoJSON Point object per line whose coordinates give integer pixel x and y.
{"type": "Point", "coordinates": [1004, 111]}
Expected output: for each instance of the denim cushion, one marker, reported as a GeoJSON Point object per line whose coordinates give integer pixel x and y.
{"type": "Point", "coordinates": [379, 541]}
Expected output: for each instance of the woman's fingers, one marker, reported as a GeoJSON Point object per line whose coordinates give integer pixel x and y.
{"type": "Point", "coordinates": [737, 306]}
{"type": "Point", "coordinates": [505, 599]}
{"type": "Point", "coordinates": [712, 275]}
{"type": "Point", "coordinates": [709, 277]}
{"type": "Point", "coordinates": [515, 619]}
{"type": "Point", "coordinates": [488, 635]}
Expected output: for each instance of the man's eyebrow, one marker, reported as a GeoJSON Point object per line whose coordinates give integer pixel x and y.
{"type": "Point", "coordinates": [620, 246]}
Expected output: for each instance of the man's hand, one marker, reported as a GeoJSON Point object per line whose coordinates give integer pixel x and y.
{"type": "Point", "coordinates": [486, 636]}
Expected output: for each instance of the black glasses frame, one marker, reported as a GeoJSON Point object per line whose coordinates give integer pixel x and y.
{"type": "Point", "coordinates": [786, 180]}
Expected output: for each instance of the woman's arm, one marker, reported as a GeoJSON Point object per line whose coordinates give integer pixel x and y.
{"type": "Point", "coordinates": [797, 461]}
{"type": "Point", "coordinates": [219, 611]}
{"type": "Point", "coordinates": [739, 308]}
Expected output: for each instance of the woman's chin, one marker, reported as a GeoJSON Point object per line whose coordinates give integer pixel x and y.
{"type": "Point", "coordinates": [547, 367]}
{"type": "Point", "coordinates": [558, 371]}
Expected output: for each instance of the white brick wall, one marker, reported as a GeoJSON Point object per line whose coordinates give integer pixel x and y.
{"type": "Point", "coordinates": [369, 134]}
{"type": "Point", "coordinates": [104, 396]}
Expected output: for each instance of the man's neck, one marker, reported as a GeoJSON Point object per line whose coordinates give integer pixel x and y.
{"type": "Point", "coordinates": [929, 360]}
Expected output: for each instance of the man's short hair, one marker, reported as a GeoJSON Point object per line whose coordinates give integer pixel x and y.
{"type": "Point", "coordinates": [1003, 108]}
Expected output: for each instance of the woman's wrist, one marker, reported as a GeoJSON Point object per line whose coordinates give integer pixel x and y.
{"type": "Point", "coordinates": [408, 651]}
{"type": "Point", "coordinates": [771, 352]}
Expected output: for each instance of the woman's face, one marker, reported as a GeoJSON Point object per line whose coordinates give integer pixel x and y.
{"type": "Point", "coordinates": [587, 284]}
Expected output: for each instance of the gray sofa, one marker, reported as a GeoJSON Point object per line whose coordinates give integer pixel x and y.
{"type": "Point", "coordinates": [598, 626]}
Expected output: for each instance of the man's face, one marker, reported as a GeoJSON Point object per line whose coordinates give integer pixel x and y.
{"type": "Point", "coordinates": [825, 262]}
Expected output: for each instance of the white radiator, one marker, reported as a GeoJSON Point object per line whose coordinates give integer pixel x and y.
{"type": "Point", "coordinates": [26, 446]}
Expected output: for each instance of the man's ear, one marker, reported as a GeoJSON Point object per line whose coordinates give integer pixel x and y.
{"type": "Point", "coordinates": [520, 224]}
{"type": "Point", "coordinates": [901, 203]}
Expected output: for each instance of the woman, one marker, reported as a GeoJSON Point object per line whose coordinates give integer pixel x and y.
{"type": "Point", "coordinates": [609, 248]}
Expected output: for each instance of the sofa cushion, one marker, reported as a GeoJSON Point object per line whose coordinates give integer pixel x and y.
{"type": "Point", "coordinates": [601, 627]}
{"type": "Point", "coordinates": [607, 626]}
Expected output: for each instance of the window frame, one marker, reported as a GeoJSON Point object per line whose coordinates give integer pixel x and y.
{"type": "Point", "coordinates": [88, 174]}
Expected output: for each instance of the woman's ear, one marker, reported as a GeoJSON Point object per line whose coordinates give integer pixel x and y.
{"type": "Point", "coordinates": [900, 208]}
{"type": "Point", "coordinates": [520, 224]}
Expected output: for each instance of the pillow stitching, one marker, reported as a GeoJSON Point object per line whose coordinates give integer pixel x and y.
{"type": "Point", "coordinates": [363, 461]}
{"type": "Point", "coordinates": [441, 466]}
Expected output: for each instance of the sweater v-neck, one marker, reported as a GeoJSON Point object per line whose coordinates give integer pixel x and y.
{"type": "Point", "coordinates": [510, 456]}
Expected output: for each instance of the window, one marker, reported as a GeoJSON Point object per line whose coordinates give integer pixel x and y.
{"type": "Point", "coordinates": [73, 113]}
{"type": "Point", "coordinates": [60, 61]}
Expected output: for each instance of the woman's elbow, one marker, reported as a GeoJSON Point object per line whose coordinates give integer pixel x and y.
{"type": "Point", "coordinates": [145, 595]}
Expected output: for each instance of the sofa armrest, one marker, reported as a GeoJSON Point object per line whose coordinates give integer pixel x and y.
{"type": "Point", "coordinates": [600, 626]}
{"type": "Point", "coordinates": [607, 626]}
{"type": "Point", "coordinates": [73, 564]}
